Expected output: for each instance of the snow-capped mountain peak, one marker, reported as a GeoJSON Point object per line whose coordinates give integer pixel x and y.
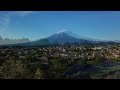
{"type": "Point", "coordinates": [62, 31]}
{"type": "Point", "coordinates": [71, 34]}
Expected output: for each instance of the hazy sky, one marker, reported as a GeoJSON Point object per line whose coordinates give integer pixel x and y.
{"type": "Point", "coordinates": [39, 24]}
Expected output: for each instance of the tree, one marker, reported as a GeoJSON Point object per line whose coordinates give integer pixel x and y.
{"type": "Point", "coordinates": [38, 74]}
{"type": "Point", "coordinates": [59, 67]}
{"type": "Point", "coordinates": [13, 69]}
{"type": "Point", "coordinates": [115, 75]}
{"type": "Point", "coordinates": [99, 59]}
{"type": "Point", "coordinates": [79, 75]}
{"type": "Point", "coordinates": [85, 59]}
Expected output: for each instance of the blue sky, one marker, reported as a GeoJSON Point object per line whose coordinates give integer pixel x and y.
{"type": "Point", "coordinates": [34, 25]}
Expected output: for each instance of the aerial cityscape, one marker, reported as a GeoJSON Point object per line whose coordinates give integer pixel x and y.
{"type": "Point", "coordinates": [59, 45]}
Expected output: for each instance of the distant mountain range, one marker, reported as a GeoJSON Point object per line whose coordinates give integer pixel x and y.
{"type": "Point", "coordinates": [13, 41]}
{"type": "Point", "coordinates": [60, 37]}
{"type": "Point", "coordinates": [66, 36]}
{"type": "Point", "coordinates": [63, 37]}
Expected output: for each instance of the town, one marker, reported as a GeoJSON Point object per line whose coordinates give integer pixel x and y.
{"type": "Point", "coordinates": [52, 62]}
{"type": "Point", "coordinates": [75, 52]}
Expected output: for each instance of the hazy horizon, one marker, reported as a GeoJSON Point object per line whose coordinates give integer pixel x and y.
{"type": "Point", "coordinates": [103, 25]}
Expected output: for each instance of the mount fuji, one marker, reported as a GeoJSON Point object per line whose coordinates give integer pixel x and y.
{"type": "Point", "coordinates": [60, 37]}
{"type": "Point", "coordinates": [66, 36]}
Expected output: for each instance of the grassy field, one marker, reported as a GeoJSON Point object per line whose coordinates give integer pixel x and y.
{"type": "Point", "coordinates": [104, 71]}
{"type": "Point", "coordinates": [97, 71]}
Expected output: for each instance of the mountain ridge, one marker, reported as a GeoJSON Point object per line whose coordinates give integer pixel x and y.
{"type": "Point", "coordinates": [60, 37]}
{"type": "Point", "coordinates": [4, 41]}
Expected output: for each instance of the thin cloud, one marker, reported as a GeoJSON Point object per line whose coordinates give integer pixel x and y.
{"type": "Point", "coordinates": [4, 19]}
{"type": "Point", "coordinates": [6, 16]}
{"type": "Point", "coordinates": [23, 13]}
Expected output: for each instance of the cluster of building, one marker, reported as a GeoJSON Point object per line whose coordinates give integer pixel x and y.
{"type": "Point", "coordinates": [75, 52]}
